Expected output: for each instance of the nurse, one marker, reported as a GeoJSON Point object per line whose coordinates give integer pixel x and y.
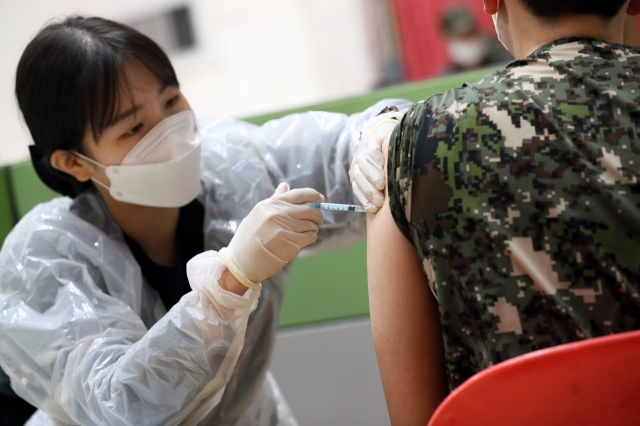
{"type": "Point", "coordinates": [99, 323]}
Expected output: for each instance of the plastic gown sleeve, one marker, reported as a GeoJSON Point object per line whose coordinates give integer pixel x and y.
{"type": "Point", "coordinates": [85, 357]}
{"type": "Point", "coordinates": [312, 149]}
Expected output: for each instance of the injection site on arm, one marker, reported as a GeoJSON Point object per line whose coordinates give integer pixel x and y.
{"type": "Point", "coordinates": [405, 322]}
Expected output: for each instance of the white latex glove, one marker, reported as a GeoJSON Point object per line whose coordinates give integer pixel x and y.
{"type": "Point", "coordinates": [272, 234]}
{"type": "Point", "coordinates": [367, 167]}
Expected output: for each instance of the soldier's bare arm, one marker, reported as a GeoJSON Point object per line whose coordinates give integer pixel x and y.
{"type": "Point", "coordinates": [405, 323]}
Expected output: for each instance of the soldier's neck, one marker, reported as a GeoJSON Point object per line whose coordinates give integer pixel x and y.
{"type": "Point", "coordinates": [534, 33]}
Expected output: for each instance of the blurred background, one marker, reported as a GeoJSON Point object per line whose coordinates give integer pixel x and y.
{"type": "Point", "coordinates": [250, 57]}
{"type": "Point", "coordinates": [239, 57]}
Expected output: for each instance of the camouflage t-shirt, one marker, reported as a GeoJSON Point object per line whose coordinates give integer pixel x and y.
{"type": "Point", "coordinates": [520, 194]}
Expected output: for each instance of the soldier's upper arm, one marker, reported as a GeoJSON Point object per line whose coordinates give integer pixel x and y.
{"type": "Point", "coordinates": [405, 321]}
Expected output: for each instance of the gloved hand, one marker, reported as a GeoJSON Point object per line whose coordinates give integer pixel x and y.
{"type": "Point", "coordinates": [367, 167]}
{"type": "Point", "coordinates": [272, 234]}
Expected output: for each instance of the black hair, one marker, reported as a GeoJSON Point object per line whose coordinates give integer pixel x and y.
{"type": "Point", "coordinates": [555, 9]}
{"type": "Point", "coordinates": [69, 79]}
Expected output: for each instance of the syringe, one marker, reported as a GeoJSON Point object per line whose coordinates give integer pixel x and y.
{"type": "Point", "coordinates": [340, 207]}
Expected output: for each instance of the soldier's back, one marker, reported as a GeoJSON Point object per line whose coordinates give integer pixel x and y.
{"type": "Point", "coordinates": [520, 193]}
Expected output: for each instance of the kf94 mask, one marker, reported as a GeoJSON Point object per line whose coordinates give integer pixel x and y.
{"type": "Point", "coordinates": [162, 170]}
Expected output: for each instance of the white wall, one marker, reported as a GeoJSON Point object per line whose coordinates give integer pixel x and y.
{"type": "Point", "coordinates": [253, 56]}
{"type": "Point", "coordinates": [329, 375]}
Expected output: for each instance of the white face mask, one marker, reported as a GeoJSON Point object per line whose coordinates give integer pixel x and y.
{"type": "Point", "coordinates": [495, 24]}
{"type": "Point", "coordinates": [163, 169]}
{"type": "Point", "coordinates": [468, 53]}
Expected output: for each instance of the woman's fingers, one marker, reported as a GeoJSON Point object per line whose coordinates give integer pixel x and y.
{"type": "Point", "coordinates": [282, 188]}
{"type": "Point", "coordinates": [363, 199]}
{"type": "Point", "coordinates": [370, 192]}
{"type": "Point", "coordinates": [301, 196]}
{"type": "Point", "coordinates": [371, 170]}
{"type": "Point", "coordinates": [304, 212]}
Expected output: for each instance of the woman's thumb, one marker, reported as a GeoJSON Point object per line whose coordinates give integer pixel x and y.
{"type": "Point", "coordinates": [282, 188]}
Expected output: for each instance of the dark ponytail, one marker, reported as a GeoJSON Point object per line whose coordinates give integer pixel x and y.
{"type": "Point", "coordinates": [69, 80]}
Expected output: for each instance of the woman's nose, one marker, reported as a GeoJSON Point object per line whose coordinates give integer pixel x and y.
{"type": "Point", "coordinates": [157, 115]}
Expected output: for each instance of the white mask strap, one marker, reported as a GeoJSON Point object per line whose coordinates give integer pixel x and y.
{"type": "Point", "coordinates": [76, 153]}
{"type": "Point", "coordinates": [496, 17]}
{"type": "Point", "coordinates": [94, 180]}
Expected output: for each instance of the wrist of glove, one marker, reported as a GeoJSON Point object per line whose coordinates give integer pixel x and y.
{"type": "Point", "coordinates": [367, 174]}
{"type": "Point", "coordinates": [272, 234]}
{"type": "Point", "coordinates": [235, 270]}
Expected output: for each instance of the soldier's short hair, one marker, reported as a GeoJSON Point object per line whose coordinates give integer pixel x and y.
{"type": "Point", "coordinates": [554, 9]}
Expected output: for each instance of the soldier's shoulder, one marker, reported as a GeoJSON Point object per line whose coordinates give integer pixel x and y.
{"type": "Point", "coordinates": [491, 88]}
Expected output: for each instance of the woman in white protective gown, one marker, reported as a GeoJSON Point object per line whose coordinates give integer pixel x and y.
{"type": "Point", "coordinates": [99, 323]}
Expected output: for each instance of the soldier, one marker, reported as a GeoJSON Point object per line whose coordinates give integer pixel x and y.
{"type": "Point", "coordinates": [513, 206]}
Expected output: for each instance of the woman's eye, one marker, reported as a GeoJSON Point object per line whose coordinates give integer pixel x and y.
{"type": "Point", "coordinates": [134, 130]}
{"type": "Point", "coordinates": [172, 101]}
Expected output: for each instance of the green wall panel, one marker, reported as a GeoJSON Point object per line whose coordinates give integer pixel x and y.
{"type": "Point", "coordinates": [411, 91]}
{"type": "Point", "coordinates": [6, 210]}
{"type": "Point", "coordinates": [327, 287]}
{"type": "Point", "coordinates": [27, 188]}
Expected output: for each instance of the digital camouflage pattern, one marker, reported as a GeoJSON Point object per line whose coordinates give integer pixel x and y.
{"type": "Point", "coordinates": [520, 193]}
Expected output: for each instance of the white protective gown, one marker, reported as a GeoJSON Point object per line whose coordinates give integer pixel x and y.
{"type": "Point", "coordinates": [86, 339]}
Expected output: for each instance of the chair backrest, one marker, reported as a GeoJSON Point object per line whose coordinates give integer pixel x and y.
{"type": "Point", "coordinates": [591, 382]}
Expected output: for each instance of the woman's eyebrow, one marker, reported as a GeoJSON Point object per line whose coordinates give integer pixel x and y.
{"type": "Point", "coordinates": [164, 87]}
{"type": "Point", "coordinates": [124, 114]}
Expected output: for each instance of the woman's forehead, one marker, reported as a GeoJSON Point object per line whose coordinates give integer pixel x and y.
{"type": "Point", "coordinates": [136, 83]}
{"type": "Point", "coordinates": [137, 77]}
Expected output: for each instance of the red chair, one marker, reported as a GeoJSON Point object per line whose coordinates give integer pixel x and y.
{"type": "Point", "coordinates": [592, 382]}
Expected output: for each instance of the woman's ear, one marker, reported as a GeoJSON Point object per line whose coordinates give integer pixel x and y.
{"type": "Point", "coordinates": [71, 164]}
